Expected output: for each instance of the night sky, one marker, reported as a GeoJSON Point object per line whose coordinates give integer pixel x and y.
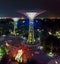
{"type": "Point", "coordinates": [10, 7]}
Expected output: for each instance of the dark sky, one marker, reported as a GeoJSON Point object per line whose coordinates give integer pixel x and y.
{"type": "Point", "coordinates": [9, 7]}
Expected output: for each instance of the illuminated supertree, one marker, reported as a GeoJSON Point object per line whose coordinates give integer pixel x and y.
{"type": "Point", "coordinates": [15, 25]}
{"type": "Point", "coordinates": [31, 15]}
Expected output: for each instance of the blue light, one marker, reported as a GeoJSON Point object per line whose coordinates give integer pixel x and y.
{"type": "Point", "coordinates": [31, 22]}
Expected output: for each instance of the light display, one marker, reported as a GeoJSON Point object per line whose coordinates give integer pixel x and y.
{"type": "Point", "coordinates": [21, 53]}
{"type": "Point", "coordinates": [19, 56]}
{"type": "Point", "coordinates": [15, 25]}
{"type": "Point", "coordinates": [31, 16]}
{"type": "Point", "coordinates": [3, 51]}
{"type": "Point", "coordinates": [51, 54]}
{"type": "Point", "coordinates": [40, 47]}
{"type": "Point", "coordinates": [49, 33]}
{"type": "Point", "coordinates": [58, 34]}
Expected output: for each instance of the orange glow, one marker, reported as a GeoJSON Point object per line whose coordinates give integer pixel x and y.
{"type": "Point", "coordinates": [27, 52]}
{"type": "Point", "coordinates": [21, 18]}
{"type": "Point", "coordinates": [18, 57]}
{"type": "Point", "coordinates": [7, 44]}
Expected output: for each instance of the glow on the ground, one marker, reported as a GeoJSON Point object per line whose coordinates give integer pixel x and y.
{"type": "Point", "coordinates": [56, 62]}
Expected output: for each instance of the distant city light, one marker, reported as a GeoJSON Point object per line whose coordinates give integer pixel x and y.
{"type": "Point", "coordinates": [2, 17]}
{"type": "Point", "coordinates": [15, 19]}
{"type": "Point", "coordinates": [22, 18]}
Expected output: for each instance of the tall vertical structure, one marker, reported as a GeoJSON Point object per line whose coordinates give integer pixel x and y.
{"type": "Point", "coordinates": [31, 38]}
{"type": "Point", "coordinates": [31, 15]}
{"type": "Point", "coordinates": [15, 25]}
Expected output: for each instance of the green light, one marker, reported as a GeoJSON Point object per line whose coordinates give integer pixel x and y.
{"type": "Point", "coordinates": [15, 25]}
{"type": "Point", "coordinates": [3, 51]}
{"type": "Point", "coordinates": [51, 54]}
{"type": "Point", "coordinates": [6, 50]}
{"type": "Point", "coordinates": [57, 34]}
